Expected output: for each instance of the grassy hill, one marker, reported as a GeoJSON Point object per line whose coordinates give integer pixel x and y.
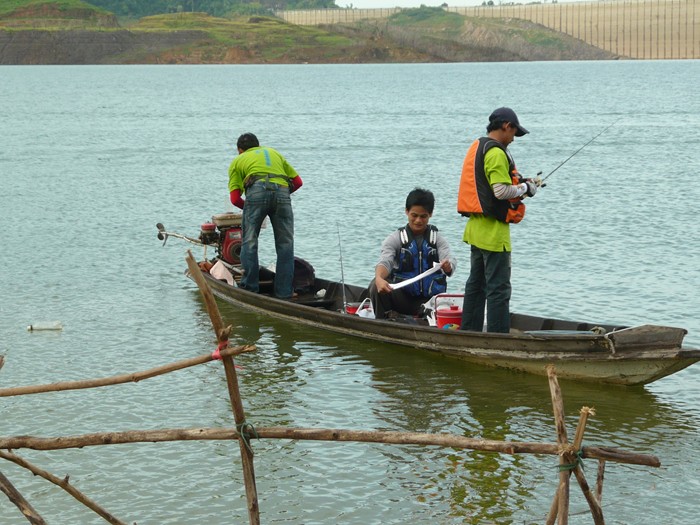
{"type": "Point", "coordinates": [255, 39]}
{"type": "Point", "coordinates": [73, 31]}
{"type": "Point", "coordinates": [57, 14]}
{"type": "Point", "coordinates": [455, 38]}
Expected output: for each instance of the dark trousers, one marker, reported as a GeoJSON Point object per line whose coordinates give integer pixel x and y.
{"type": "Point", "coordinates": [398, 301]}
{"type": "Point", "coordinates": [488, 286]}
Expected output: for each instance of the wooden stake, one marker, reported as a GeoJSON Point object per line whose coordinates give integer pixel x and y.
{"type": "Point", "coordinates": [596, 510]}
{"type": "Point", "coordinates": [572, 458]}
{"type": "Point", "coordinates": [222, 334]}
{"type": "Point", "coordinates": [64, 484]}
{"type": "Point", "coordinates": [599, 480]}
{"type": "Point", "coordinates": [22, 504]}
{"type": "Point", "coordinates": [560, 505]}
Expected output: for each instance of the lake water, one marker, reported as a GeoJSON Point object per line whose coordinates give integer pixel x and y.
{"type": "Point", "coordinates": [93, 157]}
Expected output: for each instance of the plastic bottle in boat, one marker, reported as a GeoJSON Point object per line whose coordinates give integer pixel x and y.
{"type": "Point", "coordinates": [50, 325]}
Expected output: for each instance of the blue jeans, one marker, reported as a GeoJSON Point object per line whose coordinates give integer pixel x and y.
{"type": "Point", "coordinates": [267, 199]}
{"type": "Point", "coordinates": [488, 285]}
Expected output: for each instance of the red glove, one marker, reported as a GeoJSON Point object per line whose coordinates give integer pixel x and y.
{"type": "Point", "coordinates": [236, 199]}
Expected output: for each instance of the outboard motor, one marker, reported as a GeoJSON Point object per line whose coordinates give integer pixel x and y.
{"type": "Point", "coordinates": [208, 233]}
{"type": "Point", "coordinates": [230, 236]}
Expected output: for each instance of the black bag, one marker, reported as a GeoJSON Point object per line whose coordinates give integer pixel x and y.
{"type": "Point", "coordinates": [304, 276]}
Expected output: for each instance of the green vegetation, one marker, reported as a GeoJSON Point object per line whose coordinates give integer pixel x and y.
{"type": "Point", "coordinates": [425, 34]}
{"type": "Point", "coordinates": [266, 39]}
{"type": "Point", "coordinates": [454, 37]}
{"type": "Point", "coordinates": [428, 17]}
{"type": "Point", "coordinates": [8, 6]}
{"type": "Point", "coordinates": [433, 21]}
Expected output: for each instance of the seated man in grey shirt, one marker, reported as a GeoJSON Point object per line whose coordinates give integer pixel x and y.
{"type": "Point", "coordinates": [407, 253]}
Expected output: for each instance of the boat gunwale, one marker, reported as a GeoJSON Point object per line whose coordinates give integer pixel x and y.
{"type": "Point", "coordinates": [578, 357]}
{"type": "Point", "coordinates": [291, 310]}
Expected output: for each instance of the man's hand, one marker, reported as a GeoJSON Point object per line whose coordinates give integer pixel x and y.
{"type": "Point", "coordinates": [531, 187]}
{"type": "Point", "coordinates": [382, 285]}
{"type": "Point", "coordinates": [446, 267]}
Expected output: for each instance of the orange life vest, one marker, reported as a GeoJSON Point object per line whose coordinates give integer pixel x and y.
{"type": "Point", "coordinates": [475, 193]}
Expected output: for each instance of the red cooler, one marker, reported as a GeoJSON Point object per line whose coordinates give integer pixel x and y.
{"type": "Point", "coordinates": [448, 309]}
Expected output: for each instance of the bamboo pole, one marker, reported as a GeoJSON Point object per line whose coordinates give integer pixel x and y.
{"type": "Point", "coordinates": [123, 378]}
{"type": "Point", "coordinates": [222, 334]}
{"type": "Point", "coordinates": [22, 504]}
{"type": "Point", "coordinates": [599, 481]}
{"type": "Point", "coordinates": [571, 458]}
{"type": "Point", "coordinates": [593, 504]}
{"type": "Point", "coordinates": [560, 505]}
{"type": "Point", "coordinates": [596, 510]}
{"type": "Point", "coordinates": [319, 434]}
{"type": "Point", "coordinates": [581, 427]}
{"type": "Point", "coordinates": [64, 484]}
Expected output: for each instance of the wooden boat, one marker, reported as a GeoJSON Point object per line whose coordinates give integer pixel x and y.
{"type": "Point", "coordinates": [580, 350]}
{"type": "Point", "coordinates": [606, 353]}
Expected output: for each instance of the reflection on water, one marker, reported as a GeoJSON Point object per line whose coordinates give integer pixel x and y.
{"type": "Point", "coordinates": [93, 157]}
{"type": "Point", "coordinates": [325, 380]}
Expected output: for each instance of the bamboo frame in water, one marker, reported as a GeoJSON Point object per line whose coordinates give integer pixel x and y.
{"type": "Point", "coordinates": [569, 454]}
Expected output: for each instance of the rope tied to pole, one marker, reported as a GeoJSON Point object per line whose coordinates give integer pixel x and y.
{"type": "Point", "coordinates": [578, 462]}
{"type": "Point", "coordinates": [245, 431]}
{"type": "Point", "coordinates": [216, 354]}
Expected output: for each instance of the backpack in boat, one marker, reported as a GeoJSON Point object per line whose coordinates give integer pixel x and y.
{"type": "Point", "coordinates": [304, 276]}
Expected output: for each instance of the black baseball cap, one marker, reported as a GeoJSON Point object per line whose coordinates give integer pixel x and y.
{"type": "Point", "coordinates": [508, 115]}
{"type": "Point", "coordinates": [247, 141]}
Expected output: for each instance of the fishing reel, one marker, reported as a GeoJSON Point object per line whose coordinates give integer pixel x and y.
{"type": "Point", "coordinates": [538, 180]}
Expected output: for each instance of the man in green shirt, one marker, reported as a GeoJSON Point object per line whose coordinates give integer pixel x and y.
{"type": "Point", "coordinates": [491, 193]}
{"type": "Point", "coordinates": [267, 180]}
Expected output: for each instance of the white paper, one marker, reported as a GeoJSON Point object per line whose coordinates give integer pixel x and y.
{"type": "Point", "coordinates": [435, 268]}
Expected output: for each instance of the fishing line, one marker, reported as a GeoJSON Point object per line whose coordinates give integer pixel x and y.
{"type": "Point", "coordinates": [575, 152]}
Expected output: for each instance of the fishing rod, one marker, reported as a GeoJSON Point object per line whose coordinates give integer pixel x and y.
{"type": "Point", "coordinates": [575, 152]}
{"type": "Point", "coordinates": [342, 273]}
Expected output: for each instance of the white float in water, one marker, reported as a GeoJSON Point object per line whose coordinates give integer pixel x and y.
{"type": "Point", "coordinates": [51, 325]}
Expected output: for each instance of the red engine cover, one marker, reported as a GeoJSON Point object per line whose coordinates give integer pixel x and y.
{"type": "Point", "coordinates": [231, 249]}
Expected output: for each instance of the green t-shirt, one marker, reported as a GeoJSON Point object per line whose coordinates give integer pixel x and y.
{"type": "Point", "coordinates": [260, 160]}
{"type": "Point", "coordinates": [484, 232]}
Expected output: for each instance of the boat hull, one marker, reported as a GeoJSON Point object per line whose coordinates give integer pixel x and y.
{"type": "Point", "coordinates": [624, 356]}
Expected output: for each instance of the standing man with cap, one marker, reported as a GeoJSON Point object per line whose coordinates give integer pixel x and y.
{"type": "Point", "coordinates": [267, 180]}
{"type": "Point", "coordinates": [490, 193]}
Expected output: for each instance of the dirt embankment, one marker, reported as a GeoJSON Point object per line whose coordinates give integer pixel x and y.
{"type": "Point", "coordinates": [177, 47]}
{"type": "Point", "coordinates": [86, 47]}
